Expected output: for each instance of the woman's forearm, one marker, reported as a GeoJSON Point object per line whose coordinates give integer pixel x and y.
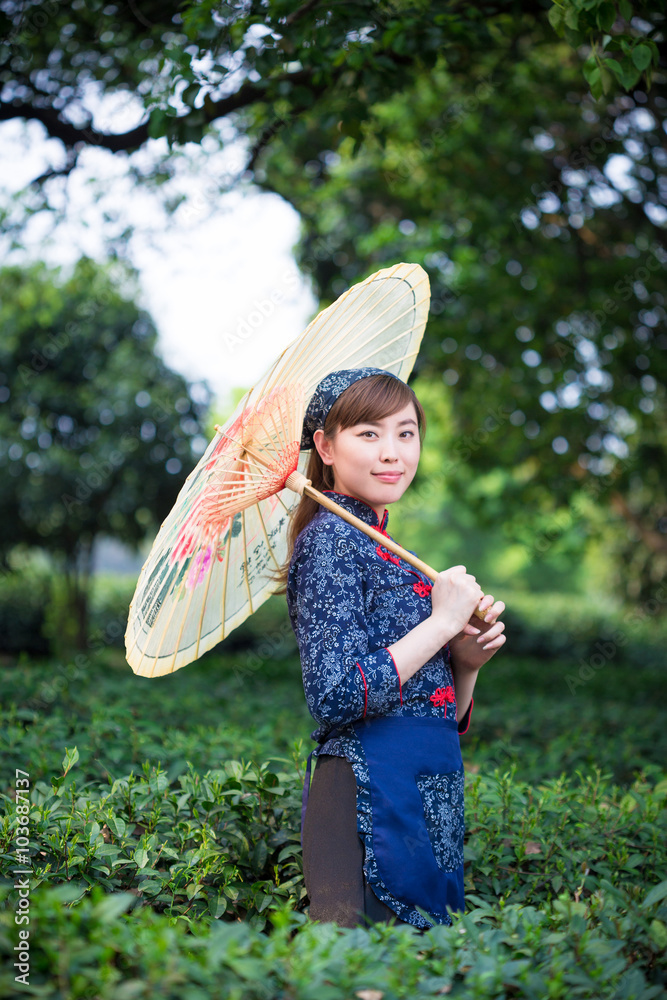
{"type": "Point", "coordinates": [464, 685]}
{"type": "Point", "coordinates": [417, 647]}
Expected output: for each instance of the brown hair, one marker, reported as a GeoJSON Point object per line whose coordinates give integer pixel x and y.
{"type": "Point", "coordinates": [368, 399]}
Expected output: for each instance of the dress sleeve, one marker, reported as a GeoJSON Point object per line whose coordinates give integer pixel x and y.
{"type": "Point", "coordinates": [464, 723]}
{"type": "Point", "coordinates": [345, 677]}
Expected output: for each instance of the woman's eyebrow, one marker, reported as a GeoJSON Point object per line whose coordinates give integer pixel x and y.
{"type": "Point", "coordinates": [376, 423]}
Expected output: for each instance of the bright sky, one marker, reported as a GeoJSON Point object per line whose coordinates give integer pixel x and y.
{"type": "Point", "coordinates": [218, 276]}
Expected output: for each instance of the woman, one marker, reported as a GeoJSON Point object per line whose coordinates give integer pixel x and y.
{"type": "Point", "coordinates": [389, 666]}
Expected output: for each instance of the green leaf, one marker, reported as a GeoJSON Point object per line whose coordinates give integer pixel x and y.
{"type": "Point", "coordinates": [625, 8]}
{"type": "Point", "coordinates": [157, 123]}
{"type": "Point", "coordinates": [658, 934]}
{"type": "Point", "coordinates": [556, 19]}
{"type": "Point", "coordinates": [656, 895]}
{"type": "Point", "coordinates": [606, 15]}
{"type": "Point", "coordinates": [591, 70]}
{"type": "Point", "coordinates": [641, 56]}
{"type": "Point", "coordinates": [259, 855]}
{"type": "Point", "coordinates": [616, 68]}
{"type": "Point", "coordinates": [572, 18]}
{"type": "Point", "coordinates": [117, 825]}
{"type": "Point", "coordinates": [141, 857]}
{"type": "Point", "coordinates": [70, 759]}
{"type": "Point", "coordinates": [106, 850]}
{"type": "Point", "coordinates": [595, 83]}
{"type": "Point", "coordinates": [630, 74]}
{"type": "Point", "coordinates": [113, 906]}
{"type": "Point", "coordinates": [217, 906]}
{"type": "Point", "coordinates": [190, 93]}
{"type": "Point", "coordinates": [606, 79]}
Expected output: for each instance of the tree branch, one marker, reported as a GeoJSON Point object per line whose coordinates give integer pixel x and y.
{"type": "Point", "coordinates": [75, 135]}
{"type": "Point", "coordinates": [303, 9]}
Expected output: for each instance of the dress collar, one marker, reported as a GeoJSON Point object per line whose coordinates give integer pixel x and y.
{"type": "Point", "coordinates": [360, 509]}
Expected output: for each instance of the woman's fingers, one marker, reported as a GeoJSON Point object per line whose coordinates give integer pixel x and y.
{"type": "Point", "coordinates": [497, 643]}
{"type": "Point", "coordinates": [493, 610]}
{"type": "Point", "coordinates": [492, 633]}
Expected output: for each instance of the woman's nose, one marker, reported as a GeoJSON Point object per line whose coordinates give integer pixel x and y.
{"type": "Point", "coordinates": [389, 452]}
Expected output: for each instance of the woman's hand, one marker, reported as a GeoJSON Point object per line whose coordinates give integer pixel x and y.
{"type": "Point", "coordinates": [479, 640]}
{"type": "Point", "coordinates": [454, 597]}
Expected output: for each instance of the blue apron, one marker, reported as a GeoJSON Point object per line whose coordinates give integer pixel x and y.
{"type": "Point", "coordinates": [416, 782]}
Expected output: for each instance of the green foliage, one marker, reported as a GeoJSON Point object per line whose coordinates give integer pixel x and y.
{"type": "Point", "coordinates": [23, 598]}
{"type": "Point", "coordinates": [548, 285]}
{"type": "Point", "coordinates": [291, 61]}
{"type": "Point", "coordinates": [94, 426]}
{"type": "Point", "coordinates": [164, 836]}
{"type": "Point", "coordinates": [221, 843]}
{"type": "Point", "coordinates": [91, 416]}
{"type": "Point", "coordinates": [571, 950]}
{"type": "Point", "coordinates": [621, 58]}
{"type": "Point", "coordinates": [60, 626]}
{"type": "Point", "coordinates": [558, 626]}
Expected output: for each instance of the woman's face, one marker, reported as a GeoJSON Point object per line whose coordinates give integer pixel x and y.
{"type": "Point", "coordinates": [375, 462]}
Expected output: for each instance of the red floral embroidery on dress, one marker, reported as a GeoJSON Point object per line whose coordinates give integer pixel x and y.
{"type": "Point", "coordinates": [383, 554]}
{"type": "Point", "coordinates": [443, 695]}
{"type": "Point", "coordinates": [423, 589]}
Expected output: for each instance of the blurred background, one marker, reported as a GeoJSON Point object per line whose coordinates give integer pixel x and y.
{"type": "Point", "coordinates": [185, 185]}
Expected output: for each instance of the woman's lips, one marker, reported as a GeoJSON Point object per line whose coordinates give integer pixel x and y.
{"type": "Point", "coordinates": [388, 477]}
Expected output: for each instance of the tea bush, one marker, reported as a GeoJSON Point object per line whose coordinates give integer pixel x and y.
{"type": "Point", "coordinates": [164, 845]}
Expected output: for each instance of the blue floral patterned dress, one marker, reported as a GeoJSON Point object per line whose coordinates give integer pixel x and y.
{"type": "Point", "coordinates": [348, 599]}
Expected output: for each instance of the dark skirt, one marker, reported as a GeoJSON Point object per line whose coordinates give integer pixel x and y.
{"type": "Point", "coordinates": [333, 855]}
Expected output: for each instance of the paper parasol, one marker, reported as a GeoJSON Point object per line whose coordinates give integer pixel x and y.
{"type": "Point", "coordinates": [212, 563]}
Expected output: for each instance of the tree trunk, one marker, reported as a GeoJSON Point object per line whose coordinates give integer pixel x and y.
{"type": "Point", "coordinates": [78, 569]}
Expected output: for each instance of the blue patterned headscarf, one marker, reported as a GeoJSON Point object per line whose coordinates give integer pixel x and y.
{"type": "Point", "coordinates": [326, 394]}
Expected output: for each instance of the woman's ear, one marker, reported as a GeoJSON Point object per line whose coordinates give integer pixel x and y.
{"type": "Point", "coordinates": [323, 446]}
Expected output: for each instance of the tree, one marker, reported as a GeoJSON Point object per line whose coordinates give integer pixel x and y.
{"type": "Point", "coordinates": [273, 65]}
{"type": "Point", "coordinates": [95, 428]}
{"type": "Point", "coordinates": [548, 280]}
{"type": "Point", "coordinates": [471, 137]}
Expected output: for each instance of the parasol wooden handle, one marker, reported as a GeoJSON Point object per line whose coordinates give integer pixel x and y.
{"type": "Point", "coordinates": [298, 482]}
